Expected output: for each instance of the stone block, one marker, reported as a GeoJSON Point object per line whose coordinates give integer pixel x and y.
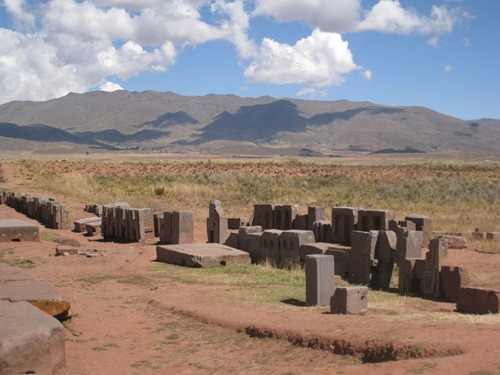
{"type": "Point", "coordinates": [349, 300]}
{"type": "Point", "coordinates": [315, 248]}
{"type": "Point", "coordinates": [66, 250]}
{"type": "Point", "coordinates": [263, 216]}
{"type": "Point", "coordinates": [452, 279]}
{"type": "Point", "coordinates": [182, 227]}
{"type": "Point", "coordinates": [322, 231]}
{"type": "Point", "coordinates": [409, 245]}
{"type": "Point", "coordinates": [301, 222]}
{"type": "Point", "coordinates": [18, 230]}
{"type": "Point", "coordinates": [201, 255]}
{"type": "Point", "coordinates": [30, 340]}
{"type": "Point", "coordinates": [236, 222]}
{"type": "Point", "coordinates": [157, 216]}
{"type": "Point", "coordinates": [320, 285]}
{"type": "Point", "coordinates": [93, 229]}
{"type": "Point", "coordinates": [341, 255]}
{"type": "Point", "coordinates": [385, 254]}
{"type": "Point", "coordinates": [456, 242]}
{"type": "Point", "coordinates": [290, 242]}
{"type": "Point", "coordinates": [251, 229]}
{"type": "Point", "coordinates": [374, 219]}
{"type": "Point", "coordinates": [344, 221]}
{"type": "Point", "coordinates": [284, 216]}
{"type": "Point", "coordinates": [314, 213]}
{"type": "Point", "coordinates": [250, 243]}
{"type": "Point", "coordinates": [424, 224]}
{"type": "Point", "coordinates": [270, 246]}
{"type": "Point", "coordinates": [478, 300]}
{"type": "Point", "coordinates": [81, 223]}
{"type": "Point", "coordinates": [217, 226]}
{"type": "Point", "coordinates": [233, 241]}
{"type": "Point", "coordinates": [407, 281]}
{"type": "Point", "coordinates": [362, 257]}
{"type": "Point", "coordinates": [437, 256]}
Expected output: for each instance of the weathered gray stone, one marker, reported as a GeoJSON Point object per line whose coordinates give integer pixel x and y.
{"type": "Point", "coordinates": [270, 246]}
{"type": "Point", "coordinates": [320, 284]}
{"type": "Point", "coordinates": [314, 213]}
{"type": "Point", "coordinates": [18, 230]}
{"type": "Point", "coordinates": [182, 227]}
{"type": "Point", "coordinates": [65, 249]}
{"type": "Point", "coordinates": [322, 231]}
{"type": "Point", "coordinates": [341, 255]}
{"type": "Point", "coordinates": [290, 242]}
{"type": "Point", "coordinates": [67, 241]}
{"type": "Point", "coordinates": [301, 222]}
{"type": "Point", "coordinates": [30, 340]}
{"type": "Point", "coordinates": [456, 242]}
{"type": "Point", "coordinates": [236, 222]}
{"type": "Point", "coordinates": [374, 219]}
{"type": "Point", "coordinates": [344, 221]}
{"type": "Point", "coordinates": [251, 229]}
{"type": "Point", "coordinates": [81, 223]}
{"type": "Point", "coordinates": [408, 283]}
{"type": "Point", "coordinates": [385, 254]}
{"type": "Point", "coordinates": [233, 241]}
{"type": "Point", "coordinates": [315, 248]}
{"type": "Point", "coordinates": [263, 216]}
{"type": "Point", "coordinates": [93, 229]}
{"type": "Point", "coordinates": [349, 300]}
{"type": "Point", "coordinates": [362, 257]}
{"type": "Point", "coordinates": [409, 245]}
{"type": "Point", "coordinates": [452, 279]}
{"type": "Point", "coordinates": [284, 216]}
{"type": "Point", "coordinates": [478, 300]}
{"type": "Point", "coordinates": [251, 244]}
{"type": "Point", "coordinates": [217, 230]}
{"type": "Point", "coordinates": [424, 224]}
{"type": "Point", "coordinates": [201, 255]}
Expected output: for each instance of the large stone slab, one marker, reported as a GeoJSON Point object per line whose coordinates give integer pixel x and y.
{"type": "Point", "coordinates": [30, 340]}
{"type": "Point", "coordinates": [18, 230]}
{"type": "Point", "coordinates": [17, 285]}
{"type": "Point", "coordinates": [201, 255]}
{"type": "Point", "coordinates": [478, 300]}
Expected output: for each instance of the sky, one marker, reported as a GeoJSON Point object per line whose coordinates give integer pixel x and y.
{"type": "Point", "coordinates": [440, 54]}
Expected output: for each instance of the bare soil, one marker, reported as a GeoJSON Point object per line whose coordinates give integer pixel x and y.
{"type": "Point", "coordinates": [124, 324]}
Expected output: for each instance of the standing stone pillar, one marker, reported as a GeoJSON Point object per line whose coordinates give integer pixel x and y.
{"type": "Point", "coordinates": [320, 284]}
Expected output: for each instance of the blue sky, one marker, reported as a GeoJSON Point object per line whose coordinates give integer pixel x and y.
{"type": "Point", "coordinates": [441, 54]}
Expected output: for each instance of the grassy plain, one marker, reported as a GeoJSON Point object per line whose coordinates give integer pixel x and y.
{"type": "Point", "coordinates": [458, 196]}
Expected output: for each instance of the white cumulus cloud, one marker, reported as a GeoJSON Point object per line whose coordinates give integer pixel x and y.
{"type": "Point", "coordinates": [367, 74]}
{"type": "Point", "coordinates": [320, 60]}
{"type": "Point", "coordinates": [448, 69]}
{"type": "Point", "coordinates": [110, 86]}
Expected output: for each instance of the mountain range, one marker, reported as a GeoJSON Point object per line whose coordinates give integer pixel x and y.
{"type": "Point", "coordinates": [228, 124]}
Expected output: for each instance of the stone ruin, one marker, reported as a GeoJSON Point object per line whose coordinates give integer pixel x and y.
{"type": "Point", "coordinates": [120, 222]}
{"type": "Point", "coordinates": [48, 211]}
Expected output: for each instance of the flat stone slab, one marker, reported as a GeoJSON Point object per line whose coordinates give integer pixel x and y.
{"type": "Point", "coordinates": [30, 340]}
{"type": "Point", "coordinates": [17, 285]}
{"type": "Point", "coordinates": [18, 230]}
{"type": "Point", "coordinates": [80, 225]}
{"type": "Point", "coordinates": [201, 255]}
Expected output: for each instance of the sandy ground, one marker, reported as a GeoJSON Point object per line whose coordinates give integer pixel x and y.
{"type": "Point", "coordinates": [123, 324]}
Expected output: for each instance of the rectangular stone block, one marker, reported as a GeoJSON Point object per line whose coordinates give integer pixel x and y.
{"type": "Point", "coordinates": [93, 229]}
{"type": "Point", "coordinates": [233, 241]}
{"type": "Point", "coordinates": [409, 245]}
{"type": "Point", "coordinates": [349, 300]}
{"type": "Point", "coordinates": [315, 248]}
{"type": "Point", "coordinates": [407, 282]}
{"type": "Point", "coordinates": [236, 222]}
{"type": "Point", "coordinates": [478, 300]}
{"type": "Point", "coordinates": [270, 246]}
{"type": "Point", "coordinates": [437, 256]}
{"type": "Point", "coordinates": [250, 243]}
{"type": "Point", "coordinates": [452, 279]}
{"type": "Point", "coordinates": [284, 216]}
{"type": "Point", "coordinates": [322, 231]}
{"type": "Point", "coordinates": [374, 219]}
{"type": "Point", "coordinates": [217, 225]}
{"type": "Point", "coordinates": [424, 224]}
{"type": "Point", "coordinates": [165, 227]}
{"type": "Point", "coordinates": [18, 230]}
{"type": "Point", "coordinates": [301, 222]}
{"type": "Point", "coordinates": [362, 257]}
{"type": "Point", "coordinates": [251, 229]}
{"type": "Point", "coordinates": [320, 284]}
{"type": "Point", "coordinates": [290, 242]}
{"type": "Point", "coordinates": [263, 216]}
{"type": "Point", "coordinates": [157, 216]}
{"type": "Point", "coordinates": [81, 223]}
{"type": "Point", "coordinates": [344, 222]}
{"type": "Point", "coordinates": [341, 255]}
{"type": "Point", "coordinates": [182, 227]}
{"type": "Point", "coordinates": [201, 255]}
{"type": "Point", "coordinates": [314, 213]}
{"type": "Point", "coordinates": [385, 254]}
{"type": "Point", "coordinates": [456, 242]}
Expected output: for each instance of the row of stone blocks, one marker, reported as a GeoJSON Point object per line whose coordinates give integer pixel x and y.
{"type": "Point", "coordinates": [122, 223]}
{"type": "Point", "coordinates": [345, 220]}
{"type": "Point", "coordinates": [47, 211]}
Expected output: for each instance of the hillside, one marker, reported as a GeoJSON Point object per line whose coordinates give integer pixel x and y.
{"type": "Point", "coordinates": [232, 124]}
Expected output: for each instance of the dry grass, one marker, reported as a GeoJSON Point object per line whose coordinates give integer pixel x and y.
{"type": "Point", "coordinates": [459, 197]}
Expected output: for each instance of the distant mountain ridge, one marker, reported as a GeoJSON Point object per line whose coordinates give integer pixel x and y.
{"type": "Point", "coordinates": [232, 124]}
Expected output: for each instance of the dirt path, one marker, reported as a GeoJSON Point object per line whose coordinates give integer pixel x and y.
{"type": "Point", "coordinates": [128, 322]}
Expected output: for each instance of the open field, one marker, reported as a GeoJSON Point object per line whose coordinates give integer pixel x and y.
{"type": "Point", "coordinates": [136, 316]}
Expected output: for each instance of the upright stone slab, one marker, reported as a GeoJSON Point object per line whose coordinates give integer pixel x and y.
{"type": "Point", "coordinates": [315, 248]}
{"type": "Point", "coordinates": [320, 284]}
{"type": "Point", "coordinates": [322, 231]}
{"type": "Point", "coordinates": [270, 246]}
{"type": "Point", "coordinates": [424, 224]}
{"type": "Point", "coordinates": [18, 230]}
{"type": "Point", "coordinates": [452, 279]}
{"type": "Point", "coordinates": [263, 216]}
{"type": "Point", "coordinates": [182, 227]}
{"type": "Point", "coordinates": [290, 242]}
{"type": "Point", "coordinates": [157, 216]}
{"type": "Point", "coordinates": [344, 222]}
{"type": "Point", "coordinates": [341, 255]}
{"type": "Point", "coordinates": [408, 283]}
{"type": "Point", "coordinates": [478, 300]}
{"type": "Point", "coordinates": [436, 257]}
{"type": "Point", "coordinates": [59, 216]}
{"type": "Point", "coordinates": [349, 300]}
{"type": "Point", "coordinates": [217, 230]}
{"type": "Point", "coordinates": [301, 222]}
{"type": "Point", "coordinates": [374, 219]}
{"type": "Point", "coordinates": [236, 222]}
{"type": "Point", "coordinates": [409, 245]}
{"type": "Point", "coordinates": [250, 243]}
{"type": "Point", "coordinates": [385, 254]}
{"type": "Point", "coordinates": [362, 256]}
{"type": "Point", "coordinates": [30, 340]}
{"type": "Point", "coordinates": [314, 213]}
{"type": "Point", "coordinates": [284, 216]}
